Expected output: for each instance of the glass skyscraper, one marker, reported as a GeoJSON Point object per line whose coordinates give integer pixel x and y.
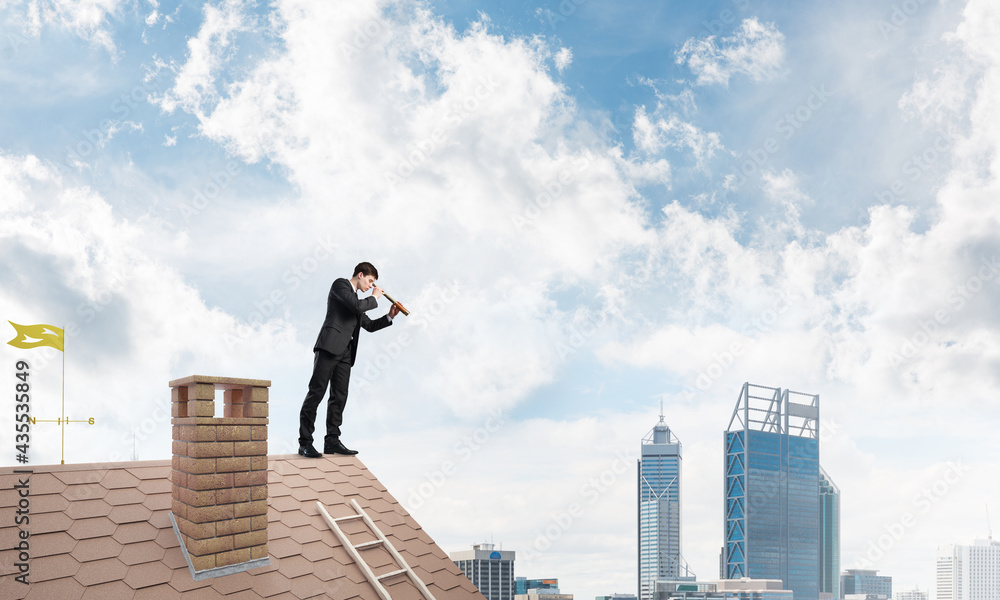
{"type": "Point", "coordinates": [659, 510]}
{"type": "Point", "coordinates": [829, 535]}
{"type": "Point", "coordinates": [772, 502]}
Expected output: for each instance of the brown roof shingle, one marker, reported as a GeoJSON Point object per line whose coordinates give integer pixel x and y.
{"type": "Point", "coordinates": [101, 531]}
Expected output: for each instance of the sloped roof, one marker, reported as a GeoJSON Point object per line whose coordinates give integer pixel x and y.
{"type": "Point", "coordinates": [102, 531]}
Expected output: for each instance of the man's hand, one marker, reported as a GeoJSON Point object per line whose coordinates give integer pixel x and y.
{"type": "Point", "coordinates": [393, 311]}
{"type": "Point", "coordinates": [377, 291]}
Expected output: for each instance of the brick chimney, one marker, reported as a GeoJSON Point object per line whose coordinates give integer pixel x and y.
{"type": "Point", "coordinates": [219, 474]}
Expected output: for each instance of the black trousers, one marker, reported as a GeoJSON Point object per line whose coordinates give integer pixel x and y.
{"type": "Point", "coordinates": [328, 370]}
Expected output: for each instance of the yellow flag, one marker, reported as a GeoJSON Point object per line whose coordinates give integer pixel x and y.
{"type": "Point", "coordinates": [33, 336]}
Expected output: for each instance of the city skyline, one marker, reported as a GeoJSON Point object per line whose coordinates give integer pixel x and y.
{"type": "Point", "coordinates": [660, 522]}
{"type": "Point", "coordinates": [659, 475]}
{"type": "Point", "coordinates": [587, 206]}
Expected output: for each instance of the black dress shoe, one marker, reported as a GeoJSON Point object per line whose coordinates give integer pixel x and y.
{"type": "Point", "coordinates": [308, 451]}
{"type": "Point", "coordinates": [338, 448]}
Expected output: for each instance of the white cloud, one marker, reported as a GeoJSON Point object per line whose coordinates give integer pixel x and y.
{"type": "Point", "coordinates": [195, 83]}
{"type": "Point", "coordinates": [938, 98]}
{"type": "Point", "coordinates": [132, 323]}
{"type": "Point", "coordinates": [460, 160]}
{"type": "Point", "coordinates": [154, 15]}
{"type": "Point", "coordinates": [682, 102]}
{"type": "Point", "coordinates": [644, 132]}
{"type": "Point", "coordinates": [563, 58]}
{"type": "Point", "coordinates": [783, 190]}
{"type": "Point", "coordinates": [888, 320]}
{"type": "Point", "coordinates": [88, 19]}
{"type": "Point", "coordinates": [652, 171]}
{"type": "Point", "coordinates": [756, 49]}
{"type": "Point", "coordinates": [782, 187]}
{"type": "Point", "coordinates": [653, 134]}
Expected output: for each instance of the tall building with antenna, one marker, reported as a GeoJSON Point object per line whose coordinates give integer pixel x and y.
{"type": "Point", "coordinates": [659, 510]}
{"type": "Point", "coordinates": [772, 489]}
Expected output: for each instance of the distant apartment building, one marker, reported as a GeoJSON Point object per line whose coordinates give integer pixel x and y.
{"type": "Point", "coordinates": [865, 582]}
{"type": "Point", "coordinates": [772, 490]}
{"type": "Point", "coordinates": [490, 570]}
{"type": "Point", "coordinates": [969, 572]}
{"type": "Point", "coordinates": [914, 594]}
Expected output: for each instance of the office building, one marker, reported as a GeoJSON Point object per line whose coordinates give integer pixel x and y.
{"type": "Point", "coordinates": [659, 510]}
{"type": "Point", "coordinates": [523, 585]}
{"type": "Point", "coordinates": [772, 500]}
{"type": "Point", "coordinates": [829, 536]}
{"type": "Point", "coordinates": [687, 588]}
{"type": "Point", "coordinates": [726, 589]}
{"type": "Point", "coordinates": [490, 570]}
{"type": "Point", "coordinates": [543, 595]}
{"type": "Point", "coordinates": [914, 594]}
{"type": "Point", "coordinates": [969, 572]}
{"type": "Point", "coordinates": [865, 582]}
{"type": "Point", "coordinates": [755, 589]}
{"type": "Point", "coordinates": [948, 572]}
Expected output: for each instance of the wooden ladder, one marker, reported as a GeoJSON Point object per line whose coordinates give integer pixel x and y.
{"type": "Point", "coordinates": [381, 540]}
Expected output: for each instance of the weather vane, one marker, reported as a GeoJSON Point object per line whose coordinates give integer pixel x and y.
{"type": "Point", "coordinates": [34, 336]}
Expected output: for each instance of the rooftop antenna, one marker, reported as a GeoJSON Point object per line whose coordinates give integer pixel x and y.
{"type": "Point", "coordinates": [661, 409]}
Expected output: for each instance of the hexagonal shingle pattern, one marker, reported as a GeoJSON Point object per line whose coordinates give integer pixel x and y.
{"type": "Point", "coordinates": [102, 532]}
{"type": "Point", "coordinates": [97, 548]}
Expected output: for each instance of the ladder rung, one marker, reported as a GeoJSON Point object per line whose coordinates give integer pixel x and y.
{"type": "Point", "coordinates": [380, 540]}
{"type": "Point", "coordinates": [348, 518]}
{"type": "Point", "coordinates": [391, 573]}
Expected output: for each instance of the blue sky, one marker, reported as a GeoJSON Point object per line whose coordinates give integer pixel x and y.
{"type": "Point", "coordinates": [590, 207]}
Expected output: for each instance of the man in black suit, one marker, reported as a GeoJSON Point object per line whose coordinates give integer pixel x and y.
{"type": "Point", "coordinates": [335, 351]}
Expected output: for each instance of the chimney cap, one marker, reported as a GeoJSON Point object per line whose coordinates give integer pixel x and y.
{"type": "Point", "coordinates": [220, 381]}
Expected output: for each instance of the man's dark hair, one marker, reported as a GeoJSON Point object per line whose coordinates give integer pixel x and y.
{"type": "Point", "coordinates": [366, 269]}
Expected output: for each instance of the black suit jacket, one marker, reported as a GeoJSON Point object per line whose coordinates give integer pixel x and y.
{"type": "Point", "coordinates": [345, 316]}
